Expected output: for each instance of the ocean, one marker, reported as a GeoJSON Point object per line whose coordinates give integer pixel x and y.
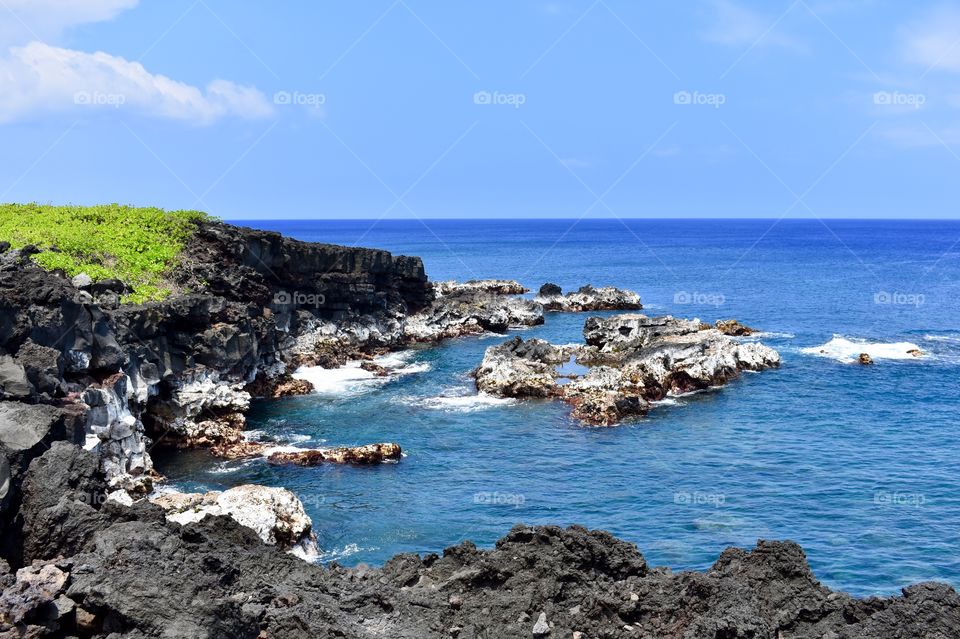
{"type": "Point", "coordinates": [858, 464]}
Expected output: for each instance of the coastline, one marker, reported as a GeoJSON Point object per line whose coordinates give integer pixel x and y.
{"type": "Point", "coordinates": [138, 385]}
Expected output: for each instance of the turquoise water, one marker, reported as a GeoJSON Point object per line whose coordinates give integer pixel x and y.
{"type": "Point", "coordinates": [860, 465]}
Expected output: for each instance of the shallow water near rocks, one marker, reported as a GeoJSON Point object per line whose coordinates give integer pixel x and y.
{"type": "Point", "coordinates": [859, 464]}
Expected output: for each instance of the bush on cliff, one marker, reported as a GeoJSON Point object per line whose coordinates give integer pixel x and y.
{"type": "Point", "coordinates": [135, 245]}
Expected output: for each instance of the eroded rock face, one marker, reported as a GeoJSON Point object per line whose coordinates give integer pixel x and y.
{"type": "Point", "coordinates": [587, 298]}
{"type": "Point", "coordinates": [499, 287]}
{"type": "Point", "coordinates": [519, 368]}
{"type": "Point", "coordinates": [174, 371]}
{"type": "Point", "coordinates": [275, 514]}
{"type": "Point", "coordinates": [472, 308]}
{"type": "Point", "coordinates": [629, 361]}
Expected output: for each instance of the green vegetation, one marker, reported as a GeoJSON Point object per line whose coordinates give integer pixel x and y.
{"type": "Point", "coordinates": [135, 245]}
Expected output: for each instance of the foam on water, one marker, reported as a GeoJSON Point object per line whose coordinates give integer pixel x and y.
{"type": "Point", "coordinates": [459, 403]}
{"type": "Point", "coordinates": [346, 380]}
{"type": "Point", "coordinates": [467, 403]}
{"type": "Point", "coordinates": [770, 335]}
{"type": "Point", "coordinates": [339, 554]}
{"type": "Point", "coordinates": [351, 379]}
{"type": "Point", "coordinates": [843, 349]}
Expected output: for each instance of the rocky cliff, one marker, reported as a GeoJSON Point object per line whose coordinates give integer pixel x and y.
{"type": "Point", "coordinates": [82, 556]}
{"type": "Point", "coordinates": [76, 365]}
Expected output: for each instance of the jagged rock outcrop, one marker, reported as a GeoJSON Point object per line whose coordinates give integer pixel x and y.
{"type": "Point", "coordinates": [275, 514]}
{"type": "Point", "coordinates": [134, 573]}
{"type": "Point", "coordinates": [497, 287]}
{"type": "Point", "coordinates": [174, 372]}
{"type": "Point", "coordinates": [471, 308]}
{"type": "Point", "coordinates": [628, 361]}
{"type": "Point", "coordinates": [587, 298]}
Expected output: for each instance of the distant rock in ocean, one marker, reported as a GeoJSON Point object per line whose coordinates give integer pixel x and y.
{"type": "Point", "coordinates": [630, 360]}
{"type": "Point", "coordinates": [587, 298]}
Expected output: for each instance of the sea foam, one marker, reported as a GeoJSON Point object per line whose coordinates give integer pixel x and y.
{"type": "Point", "coordinates": [351, 379]}
{"type": "Point", "coordinates": [843, 349]}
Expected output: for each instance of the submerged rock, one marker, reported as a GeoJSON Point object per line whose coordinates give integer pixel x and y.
{"type": "Point", "coordinates": [588, 298]}
{"type": "Point", "coordinates": [631, 361]}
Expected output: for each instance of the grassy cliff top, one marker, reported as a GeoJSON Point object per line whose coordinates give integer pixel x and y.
{"type": "Point", "coordinates": [134, 245]}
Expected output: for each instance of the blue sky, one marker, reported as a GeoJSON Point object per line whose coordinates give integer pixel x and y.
{"type": "Point", "coordinates": [506, 108]}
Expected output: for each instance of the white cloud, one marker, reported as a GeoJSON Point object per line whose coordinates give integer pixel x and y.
{"type": "Point", "coordinates": [934, 41]}
{"type": "Point", "coordinates": [39, 78]}
{"type": "Point", "coordinates": [47, 19]}
{"type": "Point", "coordinates": [737, 26]}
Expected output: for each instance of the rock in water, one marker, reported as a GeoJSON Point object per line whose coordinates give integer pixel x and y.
{"type": "Point", "coordinates": [472, 308]}
{"type": "Point", "coordinates": [865, 359]}
{"type": "Point", "coordinates": [734, 328]}
{"type": "Point", "coordinates": [631, 360]}
{"type": "Point", "coordinates": [588, 298]}
{"type": "Point", "coordinates": [360, 455]}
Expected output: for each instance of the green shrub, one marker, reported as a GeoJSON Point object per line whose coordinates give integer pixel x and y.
{"type": "Point", "coordinates": [135, 245]}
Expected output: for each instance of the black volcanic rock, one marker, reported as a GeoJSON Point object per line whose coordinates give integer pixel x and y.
{"type": "Point", "coordinates": [135, 573]}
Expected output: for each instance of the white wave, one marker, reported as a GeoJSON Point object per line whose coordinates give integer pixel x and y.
{"type": "Point", "coordinates": [667, 401]}
{"type": "Point", "coordinates": [338, 554]}
{"type": "Point", "coordinates": [346, 380]}
{"type": "Point", "coordinates": [394, 360]}
{"type": "Point", "coordinates": [227, 467]}
{"type": "Point", "coordinates": [419, 367]}
{"type": "Point", "coordinates": [351, 379]}
{"type": "Point", "coordinates": [846, 350]}
{"type": "Point", "coordinates": [950, 339]}
{"type": "Point", "coordinates": [459, 403]}
{"type": "Point", "coordinates": [284, 448]}
{"type": "Point", "coordinates": [770, 335]}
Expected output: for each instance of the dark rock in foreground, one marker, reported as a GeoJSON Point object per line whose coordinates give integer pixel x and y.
{"type": "Point", "coordinates": [128, 570]}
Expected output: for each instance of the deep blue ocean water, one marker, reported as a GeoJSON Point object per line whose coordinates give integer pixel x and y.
{"type": "Point", "coordinates": [860, 465]}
